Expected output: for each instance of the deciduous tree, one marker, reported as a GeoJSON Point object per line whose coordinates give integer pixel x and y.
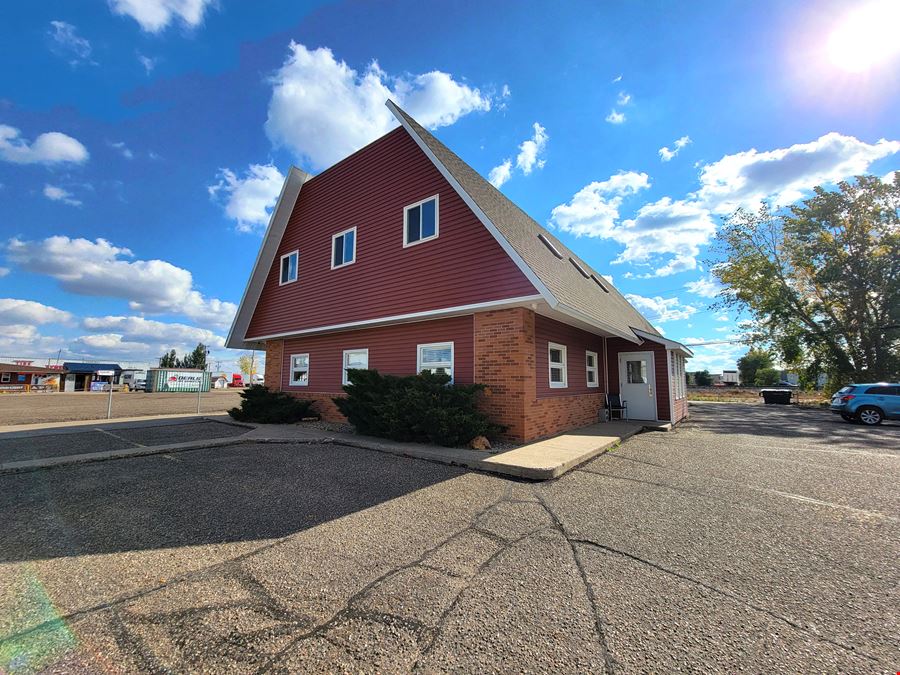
{"type": "Point", "coordinates": [821, 280]}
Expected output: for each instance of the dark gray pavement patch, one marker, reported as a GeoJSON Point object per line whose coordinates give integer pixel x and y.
{"type": "Point", "coordinates": [59, 445]}
{"type": "Point", "coordinates": [179, 433]}
{"type": "Point", "coordinates": [769, 549]}
{"type": "Point", "coordinates": [117, 437]}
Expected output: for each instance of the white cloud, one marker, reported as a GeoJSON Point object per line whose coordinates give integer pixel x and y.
{"type": "Point", "coordinates": [148, 62]}
{"type": "Point", "coordinates": [617, 78]}
{"type": "Point", "coordinates": [58, 194]}
{"type": "Point", "coordinates": [154, 15]}
{"type": "Point", "coordinates": [249, 200]}
{"type": "Point", "coordinates": [111, 343]}
{"type": "Point", "coordinates": [615, 117]}
{"type": "Point", "coordinates": [24, 341]}
{"type": "Point", "coordinates": [324, 110]}
{"type": "Point", "coordinates": [4, 271]}
{"type": "Point", "coordinates": [623, 99]}
{"type": "Point", "coordinates": [98, 268]}
{"type": "Point", "coordinates": [705, 287]}
{"type": "Point", "coordinates": [665, 229]}
{"type": "Point", "coordinates": [15, 311]}
{"type": "Point", "coordinates": [49, 148]}
{"type": "Point", "coordinates": [529, 157]}
{"type": "Point", "coordinates": [661, 309]}
{"type": "Point", "coordinates": [136, 328]}
{"type": "Point", "coordinates": [666, 155]}
{"type": "Point", "coordinates": [500, 173]}
{"type": "Point", "coordinates": [723, 317]}
{"type": "Point", "coordinates": [505, 92]}
{"type": "Point", "coordinates": [531, 150]}
{"type": "Point", "coordinates": [68, 44]}
{"type": "Point", "coordinates": [594, 210]}
{"type": "Point", "coordinates": [785, 175]}
{"type": "Point", "coordinates": [122, 148]}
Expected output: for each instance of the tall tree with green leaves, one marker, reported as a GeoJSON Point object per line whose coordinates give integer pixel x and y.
{"type": "Point", "coordinates": [821, 280]}
{"type": "Point", "coordinates": [751, 363]}
{"type": "Point", "coordinates": [168, 360]}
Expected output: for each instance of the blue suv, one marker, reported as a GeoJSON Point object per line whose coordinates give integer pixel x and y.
{"type": "Point", "coordinates": [868, 403]}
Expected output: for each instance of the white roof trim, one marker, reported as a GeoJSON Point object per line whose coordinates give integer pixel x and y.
{"type": "Point", "coordinates": [668, 344]}
{"type": "Point", "coordinates": [459, 310]}
{"type": "Point", "coordinates": [510, 251]}
{"type": "Point", "coordinates": [264, 259]}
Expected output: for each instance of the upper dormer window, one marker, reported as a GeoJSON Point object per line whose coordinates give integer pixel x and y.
{"type": "Point", "coordinates": [343, 248]}
{"type": "Point", "coordinates": [289, 267]}
{"type": "Point", "coordinates": [420, 221]}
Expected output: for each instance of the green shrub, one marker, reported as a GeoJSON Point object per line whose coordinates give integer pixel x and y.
{"type": "Point", "coordinates": [422, 408]}
{"type": "Point", "coordinates": [269, 407]}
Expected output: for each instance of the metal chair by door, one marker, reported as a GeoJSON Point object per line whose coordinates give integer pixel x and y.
{"type": "Point", "coordinates": [615, 404]}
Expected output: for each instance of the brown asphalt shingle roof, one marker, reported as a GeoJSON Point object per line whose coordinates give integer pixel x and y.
{"type": "Point", "coordinates": [560, 276]}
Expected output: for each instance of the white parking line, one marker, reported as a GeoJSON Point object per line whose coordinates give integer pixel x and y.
{"type": "Point", "coordinates": [116, 436]}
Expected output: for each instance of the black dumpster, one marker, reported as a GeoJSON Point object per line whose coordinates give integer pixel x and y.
{"type": "Point", "coordinates": [782, 396]}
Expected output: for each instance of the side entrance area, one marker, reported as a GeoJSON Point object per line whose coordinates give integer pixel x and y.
{"type": "Point", "coordinates": [543, 376]}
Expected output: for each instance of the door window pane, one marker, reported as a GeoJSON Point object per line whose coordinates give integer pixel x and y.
{"type": "Point", "coordinates": [636, 372]}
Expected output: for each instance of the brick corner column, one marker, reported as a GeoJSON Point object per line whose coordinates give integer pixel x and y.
{"type": "Point", "coordinates": [274, 361]}
{"type": "Point", "coordinates": [504, 362]}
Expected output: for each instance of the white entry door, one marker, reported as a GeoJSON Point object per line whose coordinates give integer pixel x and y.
{"type": "Point", "coordinates": [637, 384]}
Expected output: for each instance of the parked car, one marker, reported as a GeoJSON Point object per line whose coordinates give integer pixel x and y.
{"type": "Point", "coordinates": [868, 403]}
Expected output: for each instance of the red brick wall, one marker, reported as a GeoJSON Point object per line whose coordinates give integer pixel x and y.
{"type": "Point", "coordinates": [368, 190]}
{"type": "Point", "coordinates": [577, 342]}
{"type": "Point", "coordinates": [274, 350]}
{"type": "Point", "coordinates": [508, 344]}
{"type": "Point", "coordinates": [504, 361]}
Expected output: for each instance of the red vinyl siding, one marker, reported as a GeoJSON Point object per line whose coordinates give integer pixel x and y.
{"type": "Point", "coordinates": [577, 342]}
{"type": "Point", "coordinates": [368, 190]}
{"type": "Point", "coordinates": [392, 351]}
{"type": "Point", "coordinates": [661, 368]}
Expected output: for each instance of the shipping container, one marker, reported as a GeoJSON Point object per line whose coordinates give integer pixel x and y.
{"type": "Point", "coordinates": [177, 379]}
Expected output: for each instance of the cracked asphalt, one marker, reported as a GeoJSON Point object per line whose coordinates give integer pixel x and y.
{"type": "Point", "coordinates": [752, 538]}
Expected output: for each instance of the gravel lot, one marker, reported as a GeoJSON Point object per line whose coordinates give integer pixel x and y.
{"type": "Point", "coordinates": [62, 407]}
{"type": "Point", "coordinates": [750, 539]}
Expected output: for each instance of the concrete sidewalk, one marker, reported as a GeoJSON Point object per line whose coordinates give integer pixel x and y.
{"type": "Point", "coordinates": [541, 460]}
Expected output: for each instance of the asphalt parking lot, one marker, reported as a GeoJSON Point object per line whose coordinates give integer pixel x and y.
{"type": "Point", "coordinates": [750, 539]}
{"type": "Point", "coordinates": [85, 439]}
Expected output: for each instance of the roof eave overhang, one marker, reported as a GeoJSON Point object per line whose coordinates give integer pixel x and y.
{"type": "Point", "coordinates": [290, 191]}
{"type": "Point", "coordinates": [603, 328]}
{"type": "Point", "coordinates": [668, 344]}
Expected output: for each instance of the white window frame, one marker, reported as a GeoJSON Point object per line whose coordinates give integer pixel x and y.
{"type": "Point", "coordinates": [437, 221]}
{"type": "Point", "coordinates": [334, 239]}
{"type": "Point", "coordinates": [424, 365]}
{"type": "Point", "coordinates": [281, 281]}
{"type": "Point", "coordinates": [587, 369]}
{"type": "Point", "coordinates": [5, 377]}
{"type": "Point", "coordinates": [291, 381]}
{"type": "Point", "coordinates": [564, 365]}
{"type": "Point", "coordinates": [344, 379]}
{"type": "Point", "coordinates": [678, 364]}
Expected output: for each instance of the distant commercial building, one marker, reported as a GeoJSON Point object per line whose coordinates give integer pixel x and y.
{"type": "Point", "coordinates": [86, 377]}
{"type": "Point", "coordinates": [21, 376]}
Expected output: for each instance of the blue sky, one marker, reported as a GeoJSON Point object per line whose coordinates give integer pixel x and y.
{"type": "Point", "coordinates": [142, 142]}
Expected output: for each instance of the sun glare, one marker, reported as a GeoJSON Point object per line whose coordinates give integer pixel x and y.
{"type": "Point", "coordinates": [866, 37]}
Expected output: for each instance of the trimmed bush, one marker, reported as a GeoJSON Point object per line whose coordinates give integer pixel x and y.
{"type": "Point", "coordinates": [269, 407]}
{"type": "Point", "coordinates": [423, 408]}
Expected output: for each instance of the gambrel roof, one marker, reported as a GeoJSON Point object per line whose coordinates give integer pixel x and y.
{"type": "Point", "coordinates": [570, 288]}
